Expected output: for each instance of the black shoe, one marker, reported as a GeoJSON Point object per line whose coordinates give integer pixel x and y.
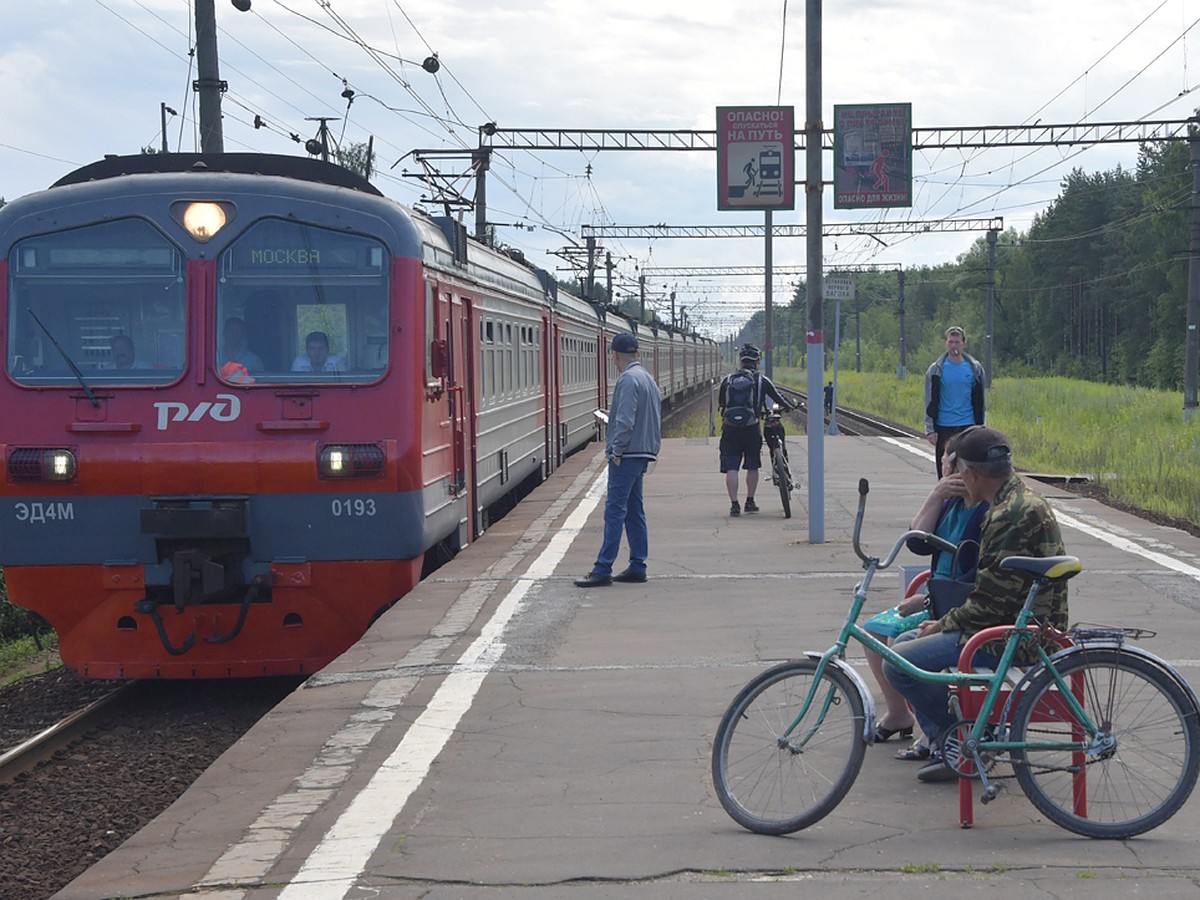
{"type": "Point", "coordinates": [594, 579]}
{"type": "Point", "coordinates": [630, 576]}
{"type": "Point", "coordinates": [936, 769]}
{"type": "Point", "coordinates": [751, 506]}
{"type": "Point", "coordinates": [735, 510]}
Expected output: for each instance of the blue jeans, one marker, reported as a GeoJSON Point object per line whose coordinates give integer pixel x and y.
{"type": "Point", "coordinates": [623, 511]}
{"type": "Point", "coordinates": [930, 702]}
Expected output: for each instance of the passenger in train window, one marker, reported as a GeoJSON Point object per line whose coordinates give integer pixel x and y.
{"type": "Point", "coordinates": [234, 348]}
{"type": "Point", "coordinates": [123, 353]}
{"type": "Point", "coordinates": [317, 357]}
{"type": "Point", "coordinates": [633, 442]}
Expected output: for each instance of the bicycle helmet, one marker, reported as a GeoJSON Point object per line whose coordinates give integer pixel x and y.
{"type": "Point", "coordinates": [775, 412]}
{"type": "Point", "coordinates": [750, 352]}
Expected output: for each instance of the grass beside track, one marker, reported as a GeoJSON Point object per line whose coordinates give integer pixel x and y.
{"type": "Point", "coordinates": [1133, 442]}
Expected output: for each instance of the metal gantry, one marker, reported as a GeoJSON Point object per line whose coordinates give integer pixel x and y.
{"type": "Point", "coordinates": [968, 136]}
{"type": "Point", "coordinates": [1037, 134]}
{"type": "Point", "coordinates": [831, 229]}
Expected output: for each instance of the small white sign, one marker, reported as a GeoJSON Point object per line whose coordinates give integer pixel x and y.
{"type": "Point", "coordinates": [839, 287]}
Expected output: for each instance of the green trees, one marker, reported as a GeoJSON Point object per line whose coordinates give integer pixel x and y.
{"type": "Point", "coordinates": [358, 158]}
{"type": "Point", "coordinates": [1096, 289]}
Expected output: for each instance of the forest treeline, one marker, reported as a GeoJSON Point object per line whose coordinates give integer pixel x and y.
{"type": "Point", "coordinates": [1096, 289]}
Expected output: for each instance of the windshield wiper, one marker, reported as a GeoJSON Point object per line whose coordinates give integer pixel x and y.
{"type": "Point", "coordinates": [70, 362]}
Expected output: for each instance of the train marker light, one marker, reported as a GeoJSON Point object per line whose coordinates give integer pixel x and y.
{"type": "Point", "coordinates": [27, 464]}
{"type": "Point", "coordinates": [350, 461]}
{"type": "Point", "coordinates": [203, 220]}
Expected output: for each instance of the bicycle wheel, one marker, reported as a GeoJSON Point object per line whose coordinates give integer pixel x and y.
{"type": "Point", "coordinates": [773, 784]}
{"type": "Point", "coordinates": [783, 479]}
{"type": "Point", "coordinates": [1130, 787]}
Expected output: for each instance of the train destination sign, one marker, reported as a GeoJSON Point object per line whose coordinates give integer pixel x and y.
{"type": "Point", "coordinates": [286, 248]}
{"type": "Point", "coordinates": [756, 157]}
{"type": "Point", "coordinates": [872, 155]}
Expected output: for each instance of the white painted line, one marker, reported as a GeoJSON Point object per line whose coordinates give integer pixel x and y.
{"type": "Point", "coordinates": [1108, 537]}
{"type": "Point", "coordinates": [336, 863]}
{"type": "Point", "coordinates": [250, 860]}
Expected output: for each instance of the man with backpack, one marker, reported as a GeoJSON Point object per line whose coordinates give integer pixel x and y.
{"type": "Point", "coordinates": [742, 400]}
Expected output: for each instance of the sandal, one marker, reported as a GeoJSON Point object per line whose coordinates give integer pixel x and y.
{"type": "Point", "coordinates": [882, 735]}
{"type": "Point", "coordinates": [915, 753]}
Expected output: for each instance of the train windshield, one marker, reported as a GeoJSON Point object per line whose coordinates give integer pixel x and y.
{"type": "Point", "coordinates": [302, 304]}
{"type": "Point", "coordinates": [103, 304]}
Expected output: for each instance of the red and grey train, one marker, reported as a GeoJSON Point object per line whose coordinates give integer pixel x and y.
{"type": "Point", "coordinates": [245, 395]}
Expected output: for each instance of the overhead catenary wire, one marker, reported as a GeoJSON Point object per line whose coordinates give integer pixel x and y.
{"type": "Point", "coordinates": [529, 184]}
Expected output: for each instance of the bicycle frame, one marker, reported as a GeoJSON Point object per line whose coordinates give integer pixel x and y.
{"type": "Point", "coordinates": [1020, 632]}
{"type": "Point", "coordinates": [791, 744]}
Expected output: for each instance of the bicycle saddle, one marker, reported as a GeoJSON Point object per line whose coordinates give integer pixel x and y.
{"type": "Point", "coordinates": [1052, 568]}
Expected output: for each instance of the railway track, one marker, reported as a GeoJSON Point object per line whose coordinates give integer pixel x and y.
{"type": "Point", "coordinates": [852, 422]}
{"type": "Point", "coordinates": [81, 791]}
{"type": "Point", "coordinates": [43, 746]}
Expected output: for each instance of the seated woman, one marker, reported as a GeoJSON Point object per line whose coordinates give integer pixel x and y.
{"type": "Point", "coordinates": [946, 514]}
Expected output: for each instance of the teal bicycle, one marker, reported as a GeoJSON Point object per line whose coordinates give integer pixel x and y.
{"type": "Point", "coordinates": [1102, 736]}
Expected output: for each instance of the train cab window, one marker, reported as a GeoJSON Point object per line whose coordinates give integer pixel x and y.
{"type": "Point", "coordinates": [99, 305]}
{"type": "Point", "coordinates": [302, 304]}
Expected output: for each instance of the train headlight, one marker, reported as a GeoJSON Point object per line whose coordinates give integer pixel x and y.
{"type": "Point", "coordinates": [41, 464]}
{"type": "Point", "coordinates": [350, 461]}
{"type": "Point", "coordinates": [202, 219]}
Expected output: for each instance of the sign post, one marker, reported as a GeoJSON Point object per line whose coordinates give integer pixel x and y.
{"type": "Point", "coordinates": [756, 169]}
{"type": "Point", "coordinates": [839, 286]}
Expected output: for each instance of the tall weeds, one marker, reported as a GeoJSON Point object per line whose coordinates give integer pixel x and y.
{"type": "Point", "coordinates": [1133, 441]}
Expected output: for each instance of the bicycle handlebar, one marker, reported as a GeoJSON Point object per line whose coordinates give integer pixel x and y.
{"type": "Point", "coordinates": [864, 488]}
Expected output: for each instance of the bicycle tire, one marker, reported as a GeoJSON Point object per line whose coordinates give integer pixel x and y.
{"type": "Point", "coordinates": [1129, 790]}
{"type": "Point", "coordinates": [783, 479]}
{"type": "Point", "coordinates": [774, 787]}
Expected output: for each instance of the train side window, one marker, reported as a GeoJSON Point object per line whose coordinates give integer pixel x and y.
{"type": "Point", "coordinates": [104, 303]}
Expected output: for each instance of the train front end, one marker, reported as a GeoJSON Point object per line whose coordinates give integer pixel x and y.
{"type": "Point", "coordinates": [211, 401]}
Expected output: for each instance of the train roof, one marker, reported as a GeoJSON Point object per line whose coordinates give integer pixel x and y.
{"type": "Point", "coordinates": [298, 167]}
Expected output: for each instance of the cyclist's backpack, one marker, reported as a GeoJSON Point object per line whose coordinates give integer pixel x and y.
{"type": "Point", "coordinates": [741, 398]}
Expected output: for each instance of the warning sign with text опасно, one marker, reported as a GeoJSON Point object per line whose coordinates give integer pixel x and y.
{"type": "Point", "coordinates": [756, 157]}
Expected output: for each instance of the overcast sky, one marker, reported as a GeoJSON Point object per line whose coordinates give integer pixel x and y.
{"type": "Point", "coordinates": [83, 78]}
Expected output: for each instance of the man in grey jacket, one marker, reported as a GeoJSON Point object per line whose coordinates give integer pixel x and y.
{"type": "Point", "coordinates": [634, 438]}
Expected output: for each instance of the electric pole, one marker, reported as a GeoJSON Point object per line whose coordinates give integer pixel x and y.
{"type": "Point", "coordinates": [209, 84]}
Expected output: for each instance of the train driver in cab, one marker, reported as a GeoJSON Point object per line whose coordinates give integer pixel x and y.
{"type": "Point", "coordinates": [123, 354]}
{"type": "Point", "coordinates": [317, 357]}
{"type": "Point", "coordinates": [234, 348]}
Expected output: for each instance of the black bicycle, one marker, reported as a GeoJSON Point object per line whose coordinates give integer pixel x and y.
{"type": "Point", "coordinates": [781, 474]}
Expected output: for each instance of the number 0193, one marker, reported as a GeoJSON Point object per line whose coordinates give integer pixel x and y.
{"type": "Point", "coordinates": [353, 507]}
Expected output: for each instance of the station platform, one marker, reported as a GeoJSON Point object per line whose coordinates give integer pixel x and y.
{"type": "Point", "coordinates": [502, 733]}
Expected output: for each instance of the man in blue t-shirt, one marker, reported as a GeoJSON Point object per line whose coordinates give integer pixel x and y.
{"type": "Point", "coordinates": [953, 394]}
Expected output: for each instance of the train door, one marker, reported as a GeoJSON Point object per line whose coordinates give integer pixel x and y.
{"type": "Point", "coordinates": [552, 392]}
{"type": "Point", "coordinates": [459, 330]}
{"type": "Point", "coordinates": [605, 364]}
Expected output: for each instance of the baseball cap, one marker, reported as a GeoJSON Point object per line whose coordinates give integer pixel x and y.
{"type": "Point", "coordinates": [624, 342]}
{"type": "Point", "coordinates": [982, 444]}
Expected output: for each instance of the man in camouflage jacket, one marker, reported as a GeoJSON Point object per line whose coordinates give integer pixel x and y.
{"type": "Point", "coordinates": [1018, 523]}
